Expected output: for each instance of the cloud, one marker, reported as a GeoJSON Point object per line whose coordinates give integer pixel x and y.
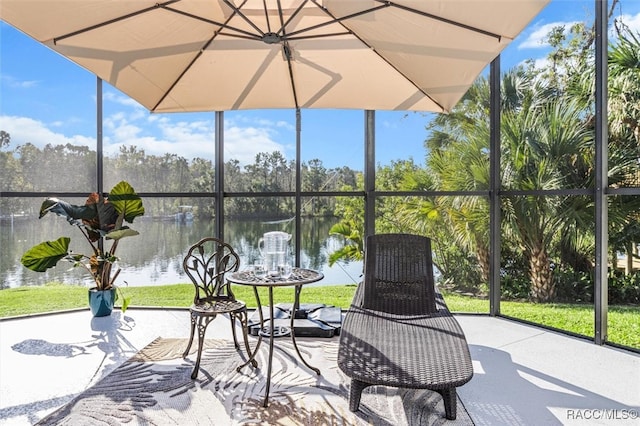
{"type": "Point", "coordinates": [541, 63]}
{"type": "Point", "coordinates": [127, 123]}
{"type": "Point", "coordinates": [19, 84]}
{"type": "Point", "coordinates": [28, 130]}
{"type": "Point", "coordinates": [123, 100]}
{"type": "Point", "coordinates": [243, 143]}
{"type": "Point", "coordinates": [631, 21]}
{"type": "Point", "coordinates": [189, 136]}
{"type": "Point", "coordinates": [156, 136]}
{"type": "Point", "coordinates": [537, 38]}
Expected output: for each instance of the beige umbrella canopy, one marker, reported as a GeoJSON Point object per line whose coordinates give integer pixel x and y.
{"type": "Point", "coordinates": [218, 55]}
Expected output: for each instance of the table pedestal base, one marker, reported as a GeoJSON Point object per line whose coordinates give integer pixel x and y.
{"type": "Point", "coordinates": [298, 278]}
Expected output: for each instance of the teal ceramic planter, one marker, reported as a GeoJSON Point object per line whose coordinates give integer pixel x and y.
{"type": "Point", "coordinates": [101, 301]}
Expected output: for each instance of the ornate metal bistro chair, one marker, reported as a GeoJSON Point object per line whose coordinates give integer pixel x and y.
{"type": "Point", "coordinates": [206, 264]}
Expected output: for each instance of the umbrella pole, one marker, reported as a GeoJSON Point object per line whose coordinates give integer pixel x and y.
{"type": "Point", "coordinates": [298, 240]}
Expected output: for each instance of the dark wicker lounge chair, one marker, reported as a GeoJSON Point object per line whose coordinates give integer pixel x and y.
{"type": "Point", "coordinates": [398, 331]}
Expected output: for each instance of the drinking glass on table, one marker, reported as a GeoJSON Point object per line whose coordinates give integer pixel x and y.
{"type": "Point", "coordinates": [284, 270]}
{"type": "Point", "coordinates": [259, 270]}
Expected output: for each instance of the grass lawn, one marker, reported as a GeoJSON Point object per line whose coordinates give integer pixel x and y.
{"type": "Point", "coordinates": [624, 321]}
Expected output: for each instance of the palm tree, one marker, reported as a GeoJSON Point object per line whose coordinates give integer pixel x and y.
{"type": "Point", "coordinates": [544, 147]}
{"type": "Point", "coordinates": [459, 148]}
{"type": "Point", "coordinates": [624, 128]}
{"type": "Point", "coordinates": [464, 165]}
{"type": "Point", "coordinates": [624, 137]}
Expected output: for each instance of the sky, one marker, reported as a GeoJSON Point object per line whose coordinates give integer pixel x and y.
{"type": "Point", "coordinates": [47, 99]}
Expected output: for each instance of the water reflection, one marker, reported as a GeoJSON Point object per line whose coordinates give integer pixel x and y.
{"type": "Point", "coordinates": [155, 256]}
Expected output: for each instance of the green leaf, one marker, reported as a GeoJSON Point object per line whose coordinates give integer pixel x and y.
{"type": "Point", "coordinates": [69, 211]}
{"type": "Point", "coordinates": [353, 250]}
{"type": "Point", "coordinates": [125, 304]}
{"type": "Point", "coordinates": [126, 202]}
{"type": "Point", "coordinates": [121, 233]}
{"type": "Point", "coordinates": [46, 255]}
{"type": "Point", "coordinates": [107, 216]}
{"type": "Point", "coordinates": [341, 228]}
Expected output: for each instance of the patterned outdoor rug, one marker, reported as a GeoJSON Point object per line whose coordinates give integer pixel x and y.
{"type": "Point", "coordinates": [154, 388]}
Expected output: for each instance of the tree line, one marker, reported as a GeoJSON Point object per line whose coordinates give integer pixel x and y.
{"type": "Point", "coordinates": [71, 168]}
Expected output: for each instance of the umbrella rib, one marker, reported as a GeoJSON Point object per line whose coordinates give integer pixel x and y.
{"type": "Point", "coordinates": [279, 15]}
{"type": "Point", "coordinates": [266, 14]}
{"type": "Point", "coordinates": [384, 4]}
{"type": "Point", "coordinates": [441, 19]}
{"type": "Point", "coordinates": [238, 12]}
{"type": "Point", "coordinates": [293, 15]}
{"type": "Point", "coordinates": [111, 21]}
{"type": "Point", "coordinates": [373, 49]}
{"type": "Point", "coordinates": [309, 37]}
{"type": "Point", "coordinates": [184, 71]}
{"type": "Point", "coordinates": [195, 58]}
{"type": "Point", "coordinates": [249, 35]}
{"type": "Point", "coordinates": [335, 20]}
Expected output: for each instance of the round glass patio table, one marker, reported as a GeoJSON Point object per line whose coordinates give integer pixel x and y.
{"type": "Point", "coordinates": [298, 278]}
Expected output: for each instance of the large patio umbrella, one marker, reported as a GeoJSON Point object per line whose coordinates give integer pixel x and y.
{"type": "Point", "coordinates": [219, 55]}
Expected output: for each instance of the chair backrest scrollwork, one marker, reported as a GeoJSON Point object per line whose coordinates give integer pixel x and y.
{"type": "Point", "coordinates": [206, 264]}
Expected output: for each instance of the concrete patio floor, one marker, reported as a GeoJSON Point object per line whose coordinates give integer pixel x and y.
{"type": "Point", "coordinates": [524, 375]}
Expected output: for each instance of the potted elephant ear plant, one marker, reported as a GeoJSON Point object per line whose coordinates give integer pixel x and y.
{"type": "Point", "coordinates": [101, 222]}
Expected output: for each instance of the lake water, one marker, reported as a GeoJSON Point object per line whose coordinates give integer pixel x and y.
{"type": "Point", "coordinates": [155, 256]}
